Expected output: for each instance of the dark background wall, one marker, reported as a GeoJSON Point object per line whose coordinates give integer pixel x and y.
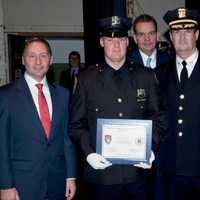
{"type": "Point", "coordinates": [92, 11]}
{"type": "Point", "coordinates": [194, 4]}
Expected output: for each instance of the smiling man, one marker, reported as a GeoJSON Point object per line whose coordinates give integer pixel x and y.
{"type": "Point", "coordinates": [37, 156]}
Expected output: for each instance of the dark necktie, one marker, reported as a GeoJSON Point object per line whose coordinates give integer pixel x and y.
{"type": "Point", "coordinates": [184, 75]}
{"type": "Point", "coordinates": [44, 110]}
{"type": "Point", "coordinates": [74, 73]}
{"type": "Point", "coordinates": [73, 79]}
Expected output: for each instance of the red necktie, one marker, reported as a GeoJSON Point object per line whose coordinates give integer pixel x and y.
{"type": "Point", "coordinates": [44, 111]}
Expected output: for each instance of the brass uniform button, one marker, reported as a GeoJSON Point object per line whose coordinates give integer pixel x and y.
{"type": "Point", "coordinates": [120, 114]}
{"type": "Point", "coordinates": [182, 96]}
{"type": "Point", "coordinates": [119, 100]}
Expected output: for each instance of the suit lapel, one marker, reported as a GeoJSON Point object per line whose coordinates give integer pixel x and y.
{"type": "Point", "coordinates": [28, 104]}
{"type": "Point", "coordinates": [138, 57]}
{"type": "Point", "coordinates": [55, 113]}
{"type": "Point", "coordinates": [174, 75]}
{"type": "Point", "coordinates": [135, 56]}
{"type": "Point", "coordinates": [158, 58]}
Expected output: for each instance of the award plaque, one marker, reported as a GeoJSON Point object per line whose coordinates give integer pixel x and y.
{"type": "Point", "coordinates": [124, 141]}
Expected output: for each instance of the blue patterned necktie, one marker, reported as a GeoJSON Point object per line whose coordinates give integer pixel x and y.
{"type": "Point", "coordinates": [148, 62]}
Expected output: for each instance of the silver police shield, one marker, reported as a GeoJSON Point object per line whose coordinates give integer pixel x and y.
{"type": "Point", "coordinates": [141, 94]}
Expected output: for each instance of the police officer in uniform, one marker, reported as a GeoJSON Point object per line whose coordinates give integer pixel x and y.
{"type": "Point", "coordinates": [179, 154]}
{"type": "Point", "coordinates": [115, 89]}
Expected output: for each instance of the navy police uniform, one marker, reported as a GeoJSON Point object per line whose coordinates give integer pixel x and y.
{"type": "Point", "coordinates": [128, 93]}
{"type": "Point", "coordinates": [179, 162]}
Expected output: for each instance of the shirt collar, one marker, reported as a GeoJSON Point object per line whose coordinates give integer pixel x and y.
{"type": "Point", "coordinates": [32, 82]}
{"type": "Point", "coordinates": [74, 70]}
{"type": "Point", "coordinates": [152, 56]}
{"type": "Point", "coordinates": [145, 56]}
{"type": "Point", "coordinates": [191, 60]}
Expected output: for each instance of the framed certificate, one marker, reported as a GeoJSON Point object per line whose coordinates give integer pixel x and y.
{"type": "Point", "coordinates": [124, 141]}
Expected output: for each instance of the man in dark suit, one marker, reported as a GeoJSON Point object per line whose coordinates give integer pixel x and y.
{"type": "Point", "coordinates": [68, 77]}
{"type": "Point", "coordinates": [179, 162]}
{"type": "Point", "coordinates": [36, 154]}
{"type": "Point", "coordinates": [146, 53]}
{"type": "Point", "coordinates": [146, 36]}
{"type": "Point", "coordinates": [115, 89]}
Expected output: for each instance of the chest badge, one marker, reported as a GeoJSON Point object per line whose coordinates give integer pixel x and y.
{"type": "Point", "coordinates": [141, 93]}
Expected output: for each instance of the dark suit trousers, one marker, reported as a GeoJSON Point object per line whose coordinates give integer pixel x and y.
{"type": "Point", "coordinates": [131, 191]}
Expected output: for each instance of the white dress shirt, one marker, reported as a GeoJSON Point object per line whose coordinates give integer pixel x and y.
{"type": "Point", "coordinates": [152, 56]}
{"type": "Point", "coordinates": [34, 92]}
{"type": "Point", "coordinates": [191, 61]}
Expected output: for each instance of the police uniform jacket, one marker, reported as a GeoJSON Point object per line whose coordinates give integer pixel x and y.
{"type": "Point", "coordinates": [102, 92]}
{"type": "Point", "coordinates": [179, 153]}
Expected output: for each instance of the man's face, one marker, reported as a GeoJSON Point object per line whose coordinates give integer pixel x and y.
{"type": "Point", "coordinates": [114, 49]}
{"type": "Point", "coordinates": [36, 60]}
{"type": "Point", "coordinates": [74, 61]}
{"type": "Point", "coordinates": [146, 37]}
{"type": "Point", "coordinates": [184, 41]}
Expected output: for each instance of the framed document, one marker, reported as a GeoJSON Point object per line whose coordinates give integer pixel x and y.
{"type": "Point", "coordinates": [124, 141]}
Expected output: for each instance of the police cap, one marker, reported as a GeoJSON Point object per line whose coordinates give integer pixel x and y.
{"type": "Point", "coordinates": [114, 26]}
{"type": "Point", "coordinates": [182, 18]}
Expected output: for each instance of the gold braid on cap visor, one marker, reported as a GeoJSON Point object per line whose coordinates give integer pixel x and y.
{"type": "Point", "coordinates": [183, 26]}
{"type": "Point", "coordinates": [178, 21]}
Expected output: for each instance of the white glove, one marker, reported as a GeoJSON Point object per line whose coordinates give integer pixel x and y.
{"type": "Point", "coordinates": [145, 165]}
{"type": "Point", "coordinates": [97, 161]}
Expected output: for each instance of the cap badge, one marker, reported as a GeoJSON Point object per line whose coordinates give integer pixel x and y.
{"type": "Point", "coordinates": [181, 12]}
{"type": "Point", "coordinates": [115, 20]}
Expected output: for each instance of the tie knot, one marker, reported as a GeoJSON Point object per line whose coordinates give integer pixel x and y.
{"type": "Point", "coordinates": [39, 86]}
{"type": "Point", "coordinates": [75, 72]}
{"type": "Point", "coordinates": [184, 63]}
